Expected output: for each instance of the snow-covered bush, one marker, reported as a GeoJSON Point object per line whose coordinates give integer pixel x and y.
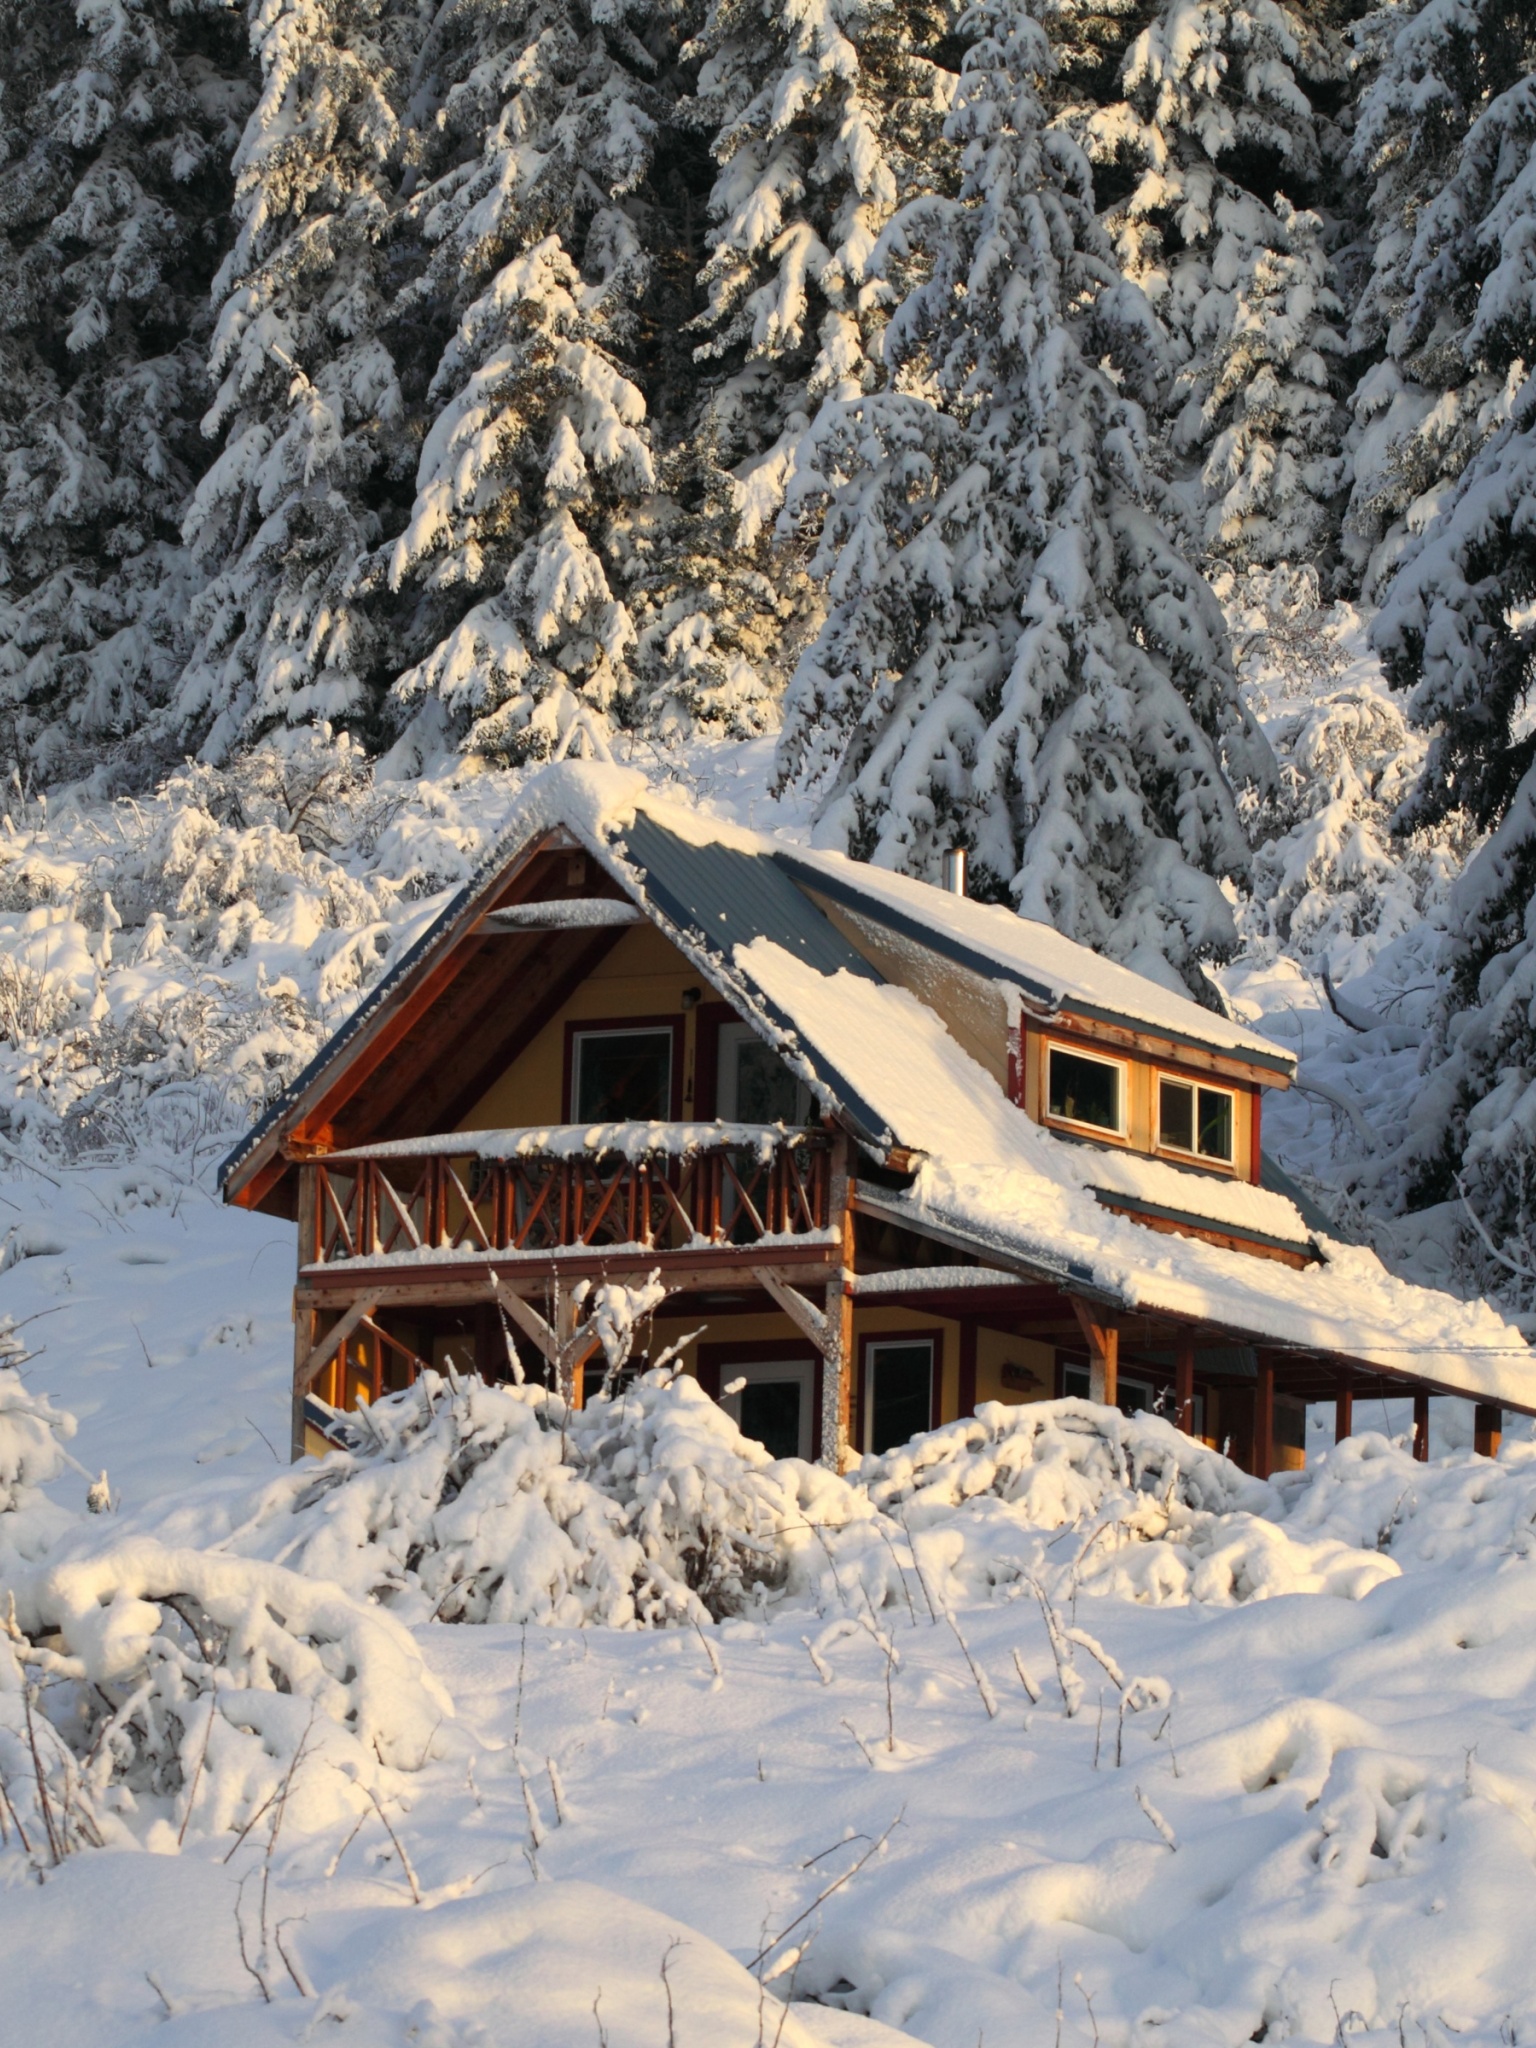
{"type": "Point", "coordinates": [472, 1502]}
{"type": "Point", "coordinates": [33, 1433]}
{"type": "Point", "coordinates": [180, 1679]}
{"type": "Point", "coordinates": [1057, 1460]}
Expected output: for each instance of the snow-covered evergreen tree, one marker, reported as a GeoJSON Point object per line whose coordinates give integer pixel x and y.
{"type": "Point", "coordinates": [117, 125]}
{"type": "Point", "coordinates": [1429, 398]}
{"type": "Point", "coordinates": [818, 116]}
{"type": "Point", "coordinates": [820, 113]}
{"type": "Point", "coordinates": [1017, 658]}
{"type": "Point", "coordinates": [1274, 467]}
{"type": "Point", "coordinates": [1458, 628]}
{"type": "Point", "coordinates": [1212, 154]}
{"type": "Point", "coordinates": [536, 145]}
{"type": "Point", "coordinates": [307, 397]}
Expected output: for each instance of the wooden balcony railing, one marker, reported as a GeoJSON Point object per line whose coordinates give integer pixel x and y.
{"type": "Point", "coordinates": [659, 1186]}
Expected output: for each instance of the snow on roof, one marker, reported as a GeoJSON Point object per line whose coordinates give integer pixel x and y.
{"type": "Point", "coordinates": [1055, 972]}
{"type": "Point", "coordinates": [716, 886]}
{"type": "Point", "coordinates": [1009, 1186]}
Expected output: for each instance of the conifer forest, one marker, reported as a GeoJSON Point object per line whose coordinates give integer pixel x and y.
{"type": "Point", "coordinates": [1103, 438]}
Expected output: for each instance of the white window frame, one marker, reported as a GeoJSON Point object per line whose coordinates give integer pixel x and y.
{"type": "Point", "coordinates": [731, 1036]}
{"type": "Point", "coordinates": [872, 1347]}
{"type": "Point", "coordinates": [801, 1370]}
{"type": "Point", "coordinates": [583, 1032]}
{"type": "Point", "coordinates": [1072, 1123]}
{"type": "Point", "coordinates": [1160, 1075]}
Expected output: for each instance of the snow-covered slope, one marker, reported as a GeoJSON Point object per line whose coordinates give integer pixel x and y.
{"type": "Point", "coordinates": [1278, 1771]}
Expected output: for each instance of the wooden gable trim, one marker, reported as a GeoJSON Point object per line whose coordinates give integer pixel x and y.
{"type": "Point", "coordinates": [1149, 1045]}
{"type": "Point", "coordinates": [306, 1127]}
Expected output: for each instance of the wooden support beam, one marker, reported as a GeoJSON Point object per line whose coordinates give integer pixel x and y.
{"type": "Point", "coordinates": [527, 1319]}
{"type": "Point", "coordinates": [1421, 1428]}
{"type": "Point", "coordinates": [304, 1316]}
{"type": "Point", "coordinates": [1184, 1385]}
{"type": "Point", "coordinates": [1102, 1336]}
{"type": "Point", "coordinates": [806, 1317]}
{"type": "Point", "coordinates": [837, 1351]}
{"type": "Point", "coordinates": [564, 1348]}
{"type": "Point", "coordinates": [323, 1352]}
{"type": "Point", "coordinates": [1343, 1404]}
{"type": "Point", "coordinates": [1264, 1416]}
{"type": "Point", "coordinates": [1487, 1429]}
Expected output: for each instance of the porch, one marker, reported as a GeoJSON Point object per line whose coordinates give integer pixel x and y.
{"type": "Point", "coordinates": [845, 1316]}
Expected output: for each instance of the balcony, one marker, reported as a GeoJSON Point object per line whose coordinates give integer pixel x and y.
{"type": "Point", "coordinates": [518, 1195]}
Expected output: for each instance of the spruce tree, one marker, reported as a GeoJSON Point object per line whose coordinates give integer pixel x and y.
{"type": "Point", "coordinates": [307, 406]}
{"type": "Point", "coordinates": [535, 220]}
{"type": "Point", "coordinates": [1425, 401]}
{"type": "Point", "coordinates": [1458, 630]}
{"type": "Point", "coordinates": [1210, 160]}
{"type": "Point", "coordinates": [117, 126]}
{"type": "Point", "coordinates": [1017, 657]}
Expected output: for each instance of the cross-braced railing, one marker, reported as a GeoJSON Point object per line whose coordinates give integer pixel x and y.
{"type": "Point", "coordinates": [662, 1187]}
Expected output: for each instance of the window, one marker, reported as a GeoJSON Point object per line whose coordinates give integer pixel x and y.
{"type": "Point", "coordinates": [1082, 1090]}
{"type": "Point", "coordinates": [1197, 1120]}
{"type": "Point", "coordinates": [898, 1392]}
{"type": "Point", "coordinates": [775, 1404]}
{"type": "Point", "coordinates": [621, 1077]}
{"type": "Point", "coordinates": [1132, 1396]}
{"type": "Point", "coordinates": [755, 1086]}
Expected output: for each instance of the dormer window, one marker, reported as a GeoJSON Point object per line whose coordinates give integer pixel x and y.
{"type": "Point", "coordinates": [1083, 1090]}
{"type": "Point", "coordinates": [1195, 1119]}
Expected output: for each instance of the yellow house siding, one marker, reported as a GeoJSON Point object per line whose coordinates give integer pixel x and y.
{"type": "Point", "coordinates": [644, 976]}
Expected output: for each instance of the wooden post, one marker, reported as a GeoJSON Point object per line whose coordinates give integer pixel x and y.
{"type": "Point", "coordinates": [1102, 1336]}
{"type": "Point", "coordinates": [967, 1367]}
{"type": "Point", "coordinates": [838, 1356]}
{"type": "Point", "coordinates": [1264, 1417]}
{"type": "Point", "coordinates": [1343, 1404]}
{"type": "Point", "coordinates": [565, 1329]}
{"type": "Point", "coordinates": [1184, 1385]}
{"type": "Point", "coordinates": [1487, 1429]}
{"type": "Point", "coordinates": [1421, 1428]}
{"type": "Point", "coordinates": [304, 1319]}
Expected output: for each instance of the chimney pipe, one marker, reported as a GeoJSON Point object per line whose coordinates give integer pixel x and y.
{"type": "Point", "coordinates": [954, 871]}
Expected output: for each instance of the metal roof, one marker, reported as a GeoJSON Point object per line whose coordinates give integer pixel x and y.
{"type": "Point", "coordinates": [719, 897]}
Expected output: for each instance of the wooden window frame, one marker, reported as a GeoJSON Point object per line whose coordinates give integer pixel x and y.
{"type": "Point", "coordinates": [1121, 1136]}
{"type": "Point", "coordinates": [864, 1406]}
{"type": "Point", "coordinates": [576, 1027]}
{"type": "Point", "coordinates": [1211, 1161]}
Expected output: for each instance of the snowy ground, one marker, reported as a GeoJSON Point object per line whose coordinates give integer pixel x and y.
{"type": "Point", "coordinates": [1328, 1835]}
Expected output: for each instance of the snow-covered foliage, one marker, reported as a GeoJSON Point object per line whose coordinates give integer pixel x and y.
{"type": "Point", "coordinates": [1017, 657]}
{"type": "Point", "coordinates": [307, 404]}
{"type": "Point", "coordinates": [118, 127]}
{"type": "Point", "coordinates": [1443, 137]}
{"type": "Point", "coordinates": [645, 1508]}
{"type": "Point", "coordinates": [1222, 147]}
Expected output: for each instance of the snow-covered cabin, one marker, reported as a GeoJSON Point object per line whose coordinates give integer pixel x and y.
{"type": "Point", "coordinates": [892, 1152]}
